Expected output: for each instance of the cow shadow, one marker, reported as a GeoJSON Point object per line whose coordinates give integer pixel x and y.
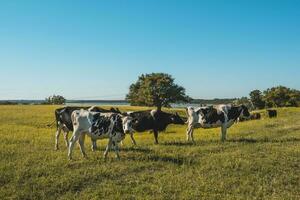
{"type": "Point", "coordinates": [264, 140]}
{"type": "Point", "coordinates": [136, 149]}
{"type": "Point", "coordinates": [243, 140]}
{"type": "Point", "coordinates": [178, 160]}
{"type": "Point", "coordinates": [178, 143]}
{"type": "Point", "coordinates": [169, 159]}
{"type": "Point", "coordinates": [238, 140]}
{"type": "Point", "coordinates": [186, 143]}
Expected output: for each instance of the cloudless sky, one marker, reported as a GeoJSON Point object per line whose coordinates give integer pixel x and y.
{"type": "Point", "coordinates": [96, 49]}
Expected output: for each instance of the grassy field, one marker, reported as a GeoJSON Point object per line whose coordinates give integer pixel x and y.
{"type": "Point", "coordinates": [260, 160]}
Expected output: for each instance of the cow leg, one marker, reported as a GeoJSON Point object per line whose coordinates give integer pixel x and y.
{"type": "Point", "coordinates": [155, 132]}
{"type": "Point", "coordinates": [108, 147]}
{"type": "Point", "coordinates": [190, 133]}
{"type": "Point", "coordinates": [66, 138]}
{"type": "Point", "coordinates": [132, 138]}
{"type": "Point", "coordinates": [116, 147]}
{"type": "Point", "coordinates": [81, 144]}
{"type": "Point", "coordinates": [94, 145]}
{"type": "Point", "coordinates": [223, 132]}
{"type": "Point", "coordinates": [57, 137]}
{"type": "Point", "coordinates": [73, 140]}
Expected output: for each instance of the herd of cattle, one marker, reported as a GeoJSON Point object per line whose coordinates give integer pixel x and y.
{"type": "Point", "coordinates": [99, 123]}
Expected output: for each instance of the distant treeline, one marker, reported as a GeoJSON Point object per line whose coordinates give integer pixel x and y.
{"type": "Point", "coordinates": [22, 102]}
{"type": "Point", "coordinates": [45, 102]}
{"type": "Point", "coordinates": [213, 101]}
{"type": "Point", "coordinates": [38, 102]}
{"type": "Point", "coordinates": [279, 96]}
{"type": "Point", "coordinates": [97, 101]}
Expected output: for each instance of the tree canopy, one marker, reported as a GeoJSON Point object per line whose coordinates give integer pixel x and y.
{"type": "Point", "coordinates": [55, 99]}
{"type": "Point", "coordinates": [256, 98]}
{"type": "Point", "coordinates": [281, 96]}
{"type": "Point", "coordinates": [156, 89]}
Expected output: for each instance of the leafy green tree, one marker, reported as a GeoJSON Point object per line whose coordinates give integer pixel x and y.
{"type": "Point", "coordinates": [256, 97]}
{"type": "Point", "coordinates": [245, 101]}
{"type": "Point", "coordinates": [281, 96]}
{"type": "Point", "coordinates": [55, 99]}
{"type": "Point", "coordinates": [156, 89]}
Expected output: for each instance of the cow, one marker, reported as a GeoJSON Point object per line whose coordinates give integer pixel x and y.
{"type": "Point", "coordinates": [272, 113]}
{"type": "Point", "coordinates": [98, 125]}
{"type": "Point", "coordinates": [254, 116]}
{"type": "Point", "coordinates": [64, 122]}
{"type": "Point", "coordinates": [222, 116]}
{"type": "Point", "coordinates": [153, 120]}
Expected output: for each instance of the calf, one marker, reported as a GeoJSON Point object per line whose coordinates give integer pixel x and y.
{"type": "Point", "coordinates": [64, 122]}
{"type": "Point", "coordinates": [272, 113]}
{"type": "Point", "coordinates": [99, 126]}
{"type": "Point", "coordinates": [153, 120]}
{"type": "Point", "coordinates": [254, 116]}
{"type": "Point", "coordinates": [222, 116]}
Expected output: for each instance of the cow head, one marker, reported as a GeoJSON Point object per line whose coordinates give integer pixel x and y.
{"type": "Point", "coordinates": [244, 112]}
{"type": "Point", "coordinates": [127, 122]}
{"type": "Point", "coordinates": [176, 119]}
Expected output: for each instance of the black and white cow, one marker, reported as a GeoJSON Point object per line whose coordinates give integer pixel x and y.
{"type": "Point", "coordinates": [64, 122]}
{"type": "Point", "coordinates": [253, 116]}
{"type": "Point", "coordinates": [153, 120]}
{"type": "Point", "coordinates": [99, 126]}
{"type": "Point", "coordinates": [222, 116]}
{"type": "Point", "coordinates": [272, 113]}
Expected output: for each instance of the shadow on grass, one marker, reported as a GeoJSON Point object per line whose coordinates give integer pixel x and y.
{"type": "Point", "coordinates": [239, 140]}
{"type": "Point", "coordinates": [176, 160]}
{"type": "Point", "coordinates": [169, 132]}
{"type": "Point", "coordinates": [136, 149]}
{"type": "Point", "coordinates": [264, 140]}
{"type": "Point", "coordinates": [171, 160]}
{"type": "Point", "coordinates": [126, 149]}
{"type": "Point", "coordinates": [243, 140]}
{"type": "Point", "coordinates": [178, 143]}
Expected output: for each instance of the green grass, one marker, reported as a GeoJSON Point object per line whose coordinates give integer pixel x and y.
{"type": "Point", "coordinates": [260, 160]}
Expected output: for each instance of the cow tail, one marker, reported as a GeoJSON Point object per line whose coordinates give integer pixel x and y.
{"type": "Point", "coordinates": [73, 119]}
{"type": "Point", "coordinates": [187, 114]}
{"type": "Point", "coordinates": [186, 111]}
{"type": "Point", "coordinates": [51, 124]}
{"type": "Point", "coordinates": [57, 114]}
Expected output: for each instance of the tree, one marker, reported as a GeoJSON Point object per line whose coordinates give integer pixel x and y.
{"type": "Point", "coordinates": [256, 98]}
{"type": "Point", "coordinates": [156, 89]}
{"type": "Point", "coordinates": [245, 101]}
{"type": "Point", "coordinates": [281, 96]}
{"type": "Point", "coordinates": [55, 99]}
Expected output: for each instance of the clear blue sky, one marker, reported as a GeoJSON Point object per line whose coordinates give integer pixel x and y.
{"type": "Point", "coordinates": [96, 49]}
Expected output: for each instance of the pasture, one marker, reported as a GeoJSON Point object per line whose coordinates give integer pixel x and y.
{"type": "Point", "coordinates": [260, 160]}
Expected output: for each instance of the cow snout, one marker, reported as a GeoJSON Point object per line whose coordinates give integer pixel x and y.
{"type": "Point", "coordinates": [127, 131]}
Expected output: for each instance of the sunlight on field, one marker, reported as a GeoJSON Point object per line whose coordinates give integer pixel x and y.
{"type": "Point", "coordinates": [260, 160]}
